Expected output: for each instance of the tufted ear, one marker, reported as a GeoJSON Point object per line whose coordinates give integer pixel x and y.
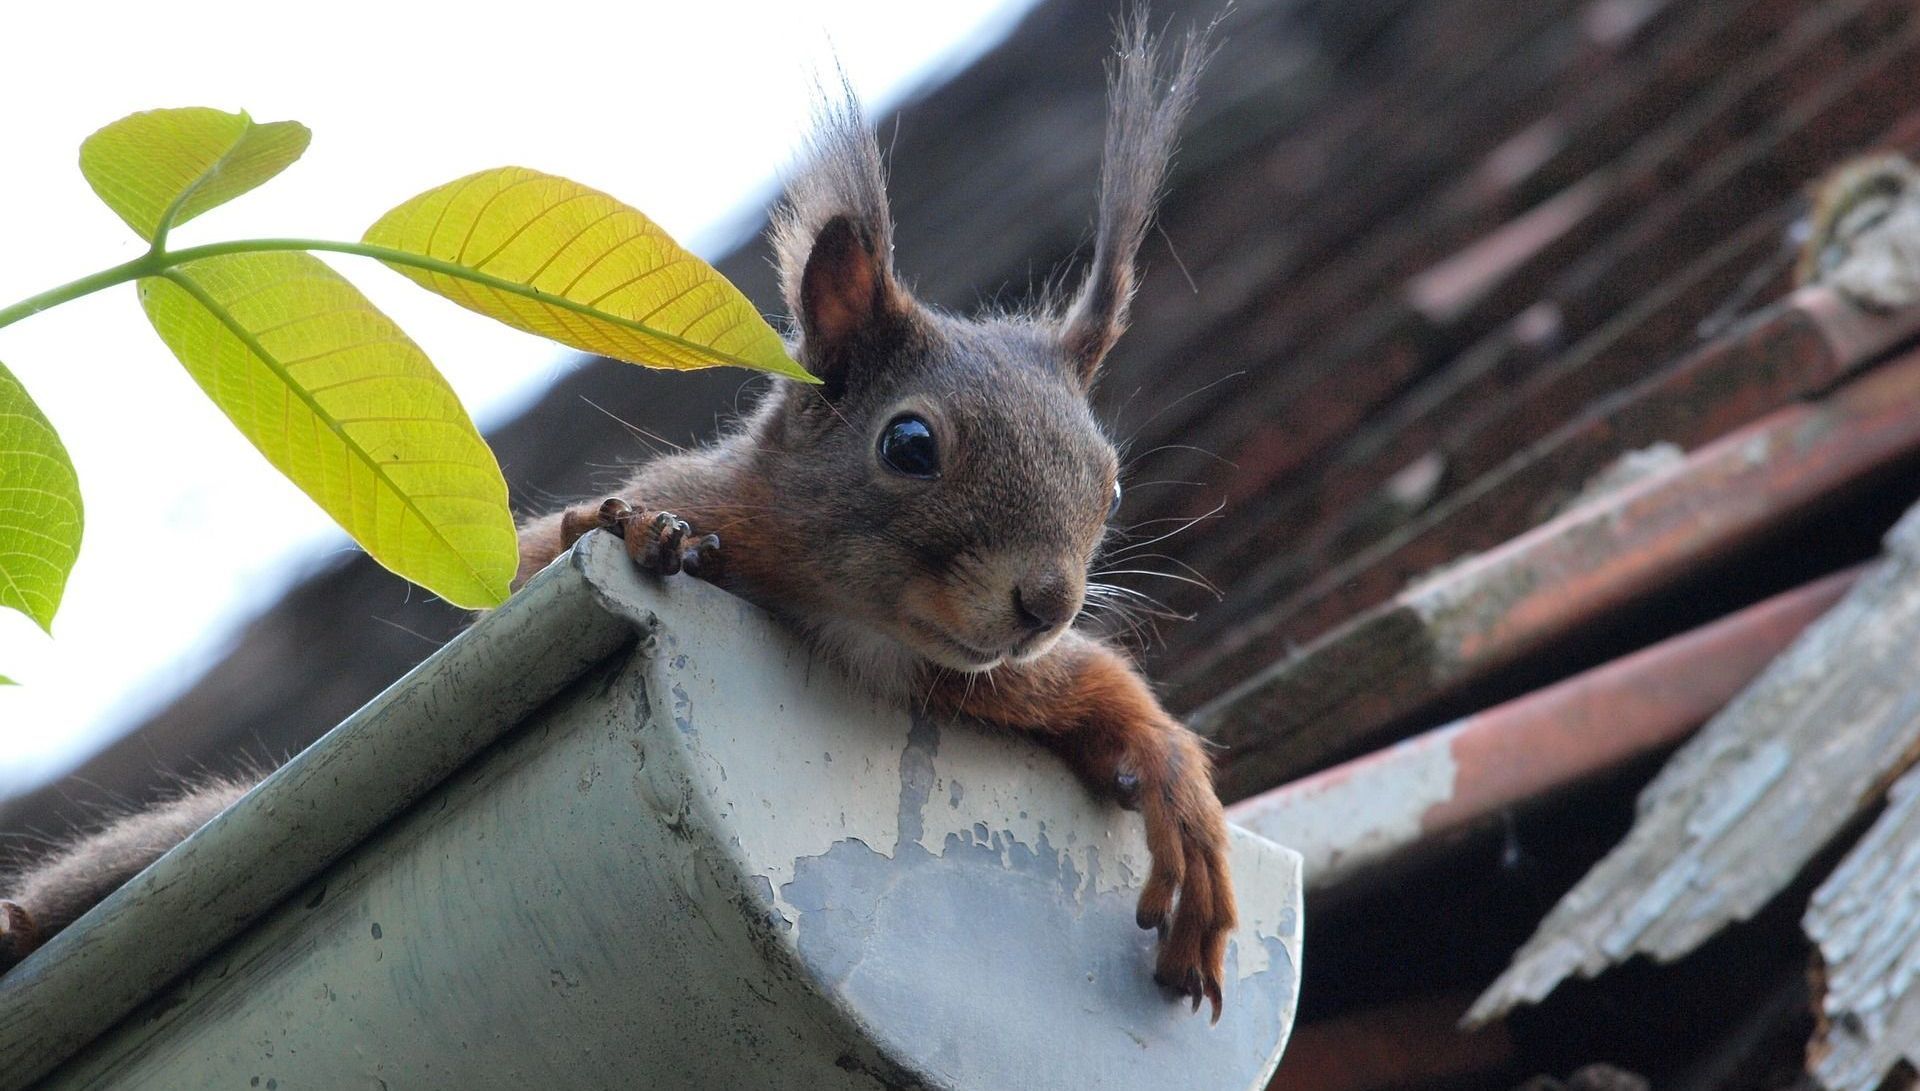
{"type": "Point", "coordinates": [833, 240]}
{"type": "Point", "coordinates": [843, 294]}
{"type": "Point", "coordinates": [1148, 99]}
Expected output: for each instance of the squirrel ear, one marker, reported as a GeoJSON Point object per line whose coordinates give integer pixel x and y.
{"type": "Point", "coordinates": [1148, 98]}
{"type": "Point", "coordinates": [833, 238]}
{"type": "Point", "coordinates": [842, 291]}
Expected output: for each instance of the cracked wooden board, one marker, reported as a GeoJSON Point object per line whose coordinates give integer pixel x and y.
{"type": "Point", "coordinates": [1361, 816]}
{"type": "Point", "coordinates": [1865, 920]}
{"type": "Point", "coordinates": [1758, 792]}
{"type": "Point", "coordinates": [1373, 675]}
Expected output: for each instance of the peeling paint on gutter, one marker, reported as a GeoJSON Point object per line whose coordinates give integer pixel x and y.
{"type": "Point", "coordinates": [690, 856]}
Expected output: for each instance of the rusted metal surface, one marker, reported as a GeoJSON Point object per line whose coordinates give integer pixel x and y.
{"type": "Point", "coordinates": [1745, 804]}
{"type": "Point", "coordinates": [1341, 691]}
{"type": "Point", "coordinates": [1865, 922]}
{"type": "Point", "coordinates": [1354, 817]}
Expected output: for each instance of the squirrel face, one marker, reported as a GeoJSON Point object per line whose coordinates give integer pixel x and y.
{"type": "Point", "coordinates": [947, 480]}
{"type": "Point", "coordinates": [964, 483]}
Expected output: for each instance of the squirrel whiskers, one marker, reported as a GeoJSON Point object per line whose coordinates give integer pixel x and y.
{"type": "Point", "coordinates": [930, 515]}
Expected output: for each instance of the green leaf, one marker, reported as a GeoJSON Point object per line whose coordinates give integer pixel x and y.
{"type": "Point", "coordinates": [161, 168]}
{"type": "Point", "coordinates": [555, 258]}
{"type": "Point", "coordinates": [5, 681]}
{"type": "Point", "coordinates": [40, 513]}
{"type": "Point", "coordinates": [349, 408]}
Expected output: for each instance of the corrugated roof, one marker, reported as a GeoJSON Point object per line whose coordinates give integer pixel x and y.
{"type": "Point", "coordinates": [1428, 271]}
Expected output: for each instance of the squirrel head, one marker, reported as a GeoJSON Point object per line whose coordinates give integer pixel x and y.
{"type": "Point", "coordinates": [955, 482]}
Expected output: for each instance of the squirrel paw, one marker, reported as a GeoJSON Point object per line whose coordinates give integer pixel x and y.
{"type": "Point", "coordinates": [1187, 835]}
{"type": "Point", "coordinates": [660, 541]}
{"type": "Point", "coordinates": [18, 933]}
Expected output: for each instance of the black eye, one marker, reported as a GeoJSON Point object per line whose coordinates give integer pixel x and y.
{"type": "Point", "coordinates": [1113, 508]}
{"type": "Point", "coordinates": [907, 447]}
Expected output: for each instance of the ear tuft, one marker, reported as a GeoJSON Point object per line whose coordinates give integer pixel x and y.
{"type": "Point", "coordinates": [1149, 96]}
{"type": "Point", "coordinates": [833, 237]}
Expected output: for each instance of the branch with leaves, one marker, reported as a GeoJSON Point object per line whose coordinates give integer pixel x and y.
{"type": "Point", "coordinates": [329, 389]}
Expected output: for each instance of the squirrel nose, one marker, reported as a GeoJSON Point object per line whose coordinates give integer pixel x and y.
{"type": "Point", "coordinates": [1043, 604]}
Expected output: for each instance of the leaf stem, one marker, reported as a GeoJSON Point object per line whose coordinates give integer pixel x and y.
{"type": "Point", "coordinates": [145, 265]}
{"type": "Point", "coordinates": [158, 261]}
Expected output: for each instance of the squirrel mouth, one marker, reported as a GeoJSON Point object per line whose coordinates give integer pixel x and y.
{"type": "Point", "coordinates": [977, 659]}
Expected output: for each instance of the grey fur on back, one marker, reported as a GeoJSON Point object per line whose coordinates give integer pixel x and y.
{"type": "Point", "coordinates": [1042, 475]}
{"type": "Point", "coordinates": [78, 874]}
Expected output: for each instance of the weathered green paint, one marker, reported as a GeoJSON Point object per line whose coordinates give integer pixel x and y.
{"type": "Point", "coordinates": [706, 863]}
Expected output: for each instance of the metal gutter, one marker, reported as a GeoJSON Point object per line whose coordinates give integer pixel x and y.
{"type": "Point", "coordinates": [324, 801]}
{"type": "Point", "coordinates": [558, 855]}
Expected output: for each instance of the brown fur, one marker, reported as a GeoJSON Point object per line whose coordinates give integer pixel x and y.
{"type": "Point", "coordinates": [1086, 701]}
{"type": "Point", "coordinates": [45, 898]}
{"type": "Point", "coordinates": [918, 585]}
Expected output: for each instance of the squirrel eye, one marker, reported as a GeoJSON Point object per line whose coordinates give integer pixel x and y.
{"type": "Point", "coordinates": [1113, 508]}
{"type": "Point", "coordinates": [907, 447]}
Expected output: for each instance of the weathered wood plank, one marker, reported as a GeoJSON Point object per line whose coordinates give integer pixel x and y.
{"type": "Point", "coordinates": [1358, 816]}
{"type": "Point", "coordinates": [1374, 673]}
{"type": "Point", "coordinates": [1741, 808]}
{"type": "Point", "coordinates": [1744, 147]}
{"type": "Point", "coordinates": [1865, 919]}
{"type": "Point", "coordinates": [1402, 1043]}
{"type": "Point", "coordinates": [1802, 344]}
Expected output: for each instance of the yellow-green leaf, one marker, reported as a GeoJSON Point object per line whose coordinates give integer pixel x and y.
{"type": "Point", "coordinates": [39, 507]}
{"type": "Point", "coordinates": [161, 168]}
{"type": "Point", "coordinates": [349, 408]}
{"type": "Point", "coordinates": [555, 258]}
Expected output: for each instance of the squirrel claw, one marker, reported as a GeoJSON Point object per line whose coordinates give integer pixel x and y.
{"type": "Point", "coordinates": [658, 541]}
{"type": "Point", "coordinates": [19, 935]}
{"type": "Point", "coordinates": [613, 515]}
{"type": "Point", "coordinates": [665, 543]}
{"type": "Point", "coordinates": [1195, 986]}
{"type": "Point", "coordinates": [1151, 917]}
{"type": "Point", "coordinates": [702, 558]}
{"type": "Point", "coordinates": [1187, 838]}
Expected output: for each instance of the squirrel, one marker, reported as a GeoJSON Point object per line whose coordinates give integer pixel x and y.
{"type": "Point", "coordinates": [927, 515]}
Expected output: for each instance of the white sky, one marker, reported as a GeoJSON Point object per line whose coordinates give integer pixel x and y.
{"type": "Point", "coordinates": [686, 111]}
